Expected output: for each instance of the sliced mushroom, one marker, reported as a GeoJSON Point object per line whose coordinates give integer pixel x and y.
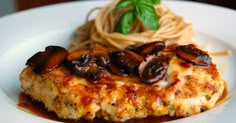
{"type": "Point", "coordinates": [149, 48]}
{"type": "Point", "coordinates": [84, 63]}
{"type": "Point", "coordinates": [79, 58]}
{"type": "Point", "coordinates": [194, 55]}
{"type": "Point", "coordinates": [118, 71]}
{"type": "Point", "coordinates": [38, 58]}
{"type": "Point", "coordinates": [90, 71]}
{"type": "Point", "coordinates": [126, 60]}
{"type": "Point", "coordinates": [83, 57]}
{"type": "Point", "coordinates": [153, 69]}
{"type": "Point", "coordinates": [170, 48]}
{"type": "Point", "coordinates": [101, 57]}
{"type": "Point", "coordinates": [50, 59]}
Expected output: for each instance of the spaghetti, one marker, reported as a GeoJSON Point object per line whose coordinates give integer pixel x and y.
{"type": "Point", "coordinates": [100, 31]}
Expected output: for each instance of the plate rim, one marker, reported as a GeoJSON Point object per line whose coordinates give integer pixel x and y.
{"type": "Point", "coordinates": [24, 13]}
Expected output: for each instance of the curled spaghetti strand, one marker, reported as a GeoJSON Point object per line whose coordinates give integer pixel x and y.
{"type": "Point", "coordinates": [100, 31]}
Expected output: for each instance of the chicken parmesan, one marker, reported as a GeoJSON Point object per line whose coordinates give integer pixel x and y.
{"type": "Point", "coordinates": [140, 81]}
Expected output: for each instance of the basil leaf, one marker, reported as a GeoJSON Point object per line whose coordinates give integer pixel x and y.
{"type": "Point", "coordinates": [147, 15]}
{"type": "Point", "coordinates": [124, 4]}
{"type": "Point", "coordinates": [156, 2]}
{"type": "Point", "coordinates": [149, 2]}
{"type": "Point", "coordinates": [126, 20]}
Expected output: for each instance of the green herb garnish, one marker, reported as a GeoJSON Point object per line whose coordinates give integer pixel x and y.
{"type": "Point", "coordinates": [142, 9]}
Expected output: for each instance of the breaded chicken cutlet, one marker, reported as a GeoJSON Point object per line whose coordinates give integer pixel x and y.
{"type": "Point", "coordinates": [121, 85]}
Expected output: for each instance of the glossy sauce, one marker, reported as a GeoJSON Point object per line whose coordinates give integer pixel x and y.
{"type": "Point", "coordinates": [224, 95]}
{"type": "Point", "coordinates": [37, 108]}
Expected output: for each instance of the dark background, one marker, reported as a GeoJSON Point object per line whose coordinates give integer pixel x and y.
{"type": "Point", "coordinates": [226, 3]}
{"type": "Point", "coordinates": [26, 4]}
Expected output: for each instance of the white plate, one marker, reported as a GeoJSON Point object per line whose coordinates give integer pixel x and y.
{"type": "Point", "coordinates": [23, 34]}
